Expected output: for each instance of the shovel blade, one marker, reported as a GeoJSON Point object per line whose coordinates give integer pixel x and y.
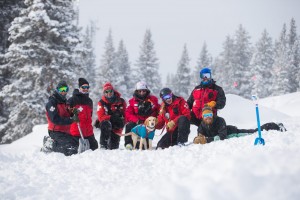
{"type": "Point", "coordinates": [83, 145]}
{"type": "Point", "coordinates": [259, 141]}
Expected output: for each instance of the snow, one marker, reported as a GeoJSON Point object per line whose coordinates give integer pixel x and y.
{"type": "Point", "coordinates": [229, 169]}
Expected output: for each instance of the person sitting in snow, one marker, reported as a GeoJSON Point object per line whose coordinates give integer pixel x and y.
{"type": "Point", "coordinates": [208, 92]}
{"type": "Point", "coordinates": [175, 115]}
{"type": "Point", "coordinates": [59, 121]}
{"type": "Point", "coordinates": [83, 105]}
{"type": "Point", "coordinates": [111, 113]}
{"type": "Point", "coordinates": [141, 106]}
{"type": "Point", "coordinates": [213, 128]}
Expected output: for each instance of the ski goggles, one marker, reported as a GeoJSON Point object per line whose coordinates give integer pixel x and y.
{"type": "Point", "coordinates": [63, 89]}
{"type": "Point", "coordinates": [207, 115]}
{"type": "Point", "coordinates": [205, 75]}
{"type": "Point", "coordinates": [166, 97]}
{"type": "Point", "coordinates": [85, 87]}
{"type": "Point", "coordinates": [108, 91]}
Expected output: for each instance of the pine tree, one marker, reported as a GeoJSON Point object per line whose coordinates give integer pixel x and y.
{"type": "Point", "coordinates": [242, 57]}
{"type": "Point", "coordinates": [124, 84]}
{"type": "Point", "coordinates": [183, 75]}
{"type": "Point", "coordinates": [108, 62]}
{"type": "Point", "coordinates": [204, 60]}
{"type": "Point", "coordinates": [147, 64]}
{"type": "Point", "coordinates": [261, 66]}
{"type": "Point", "coordinates": [43, 39]}
{"type": "Point", "coordinates": [281, 80]}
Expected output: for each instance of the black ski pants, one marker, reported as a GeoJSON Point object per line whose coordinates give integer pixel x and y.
{"type": "Point", "coordinates": [108, 139]}
{"type": "Point", "coordinates": [64, 143]}
{"type": "Point", "coordinates": [267, 126]}
{"type": "Point", "coordinates": [180, 135]}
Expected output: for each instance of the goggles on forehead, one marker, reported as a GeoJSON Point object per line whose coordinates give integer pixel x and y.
{"type": "Point", "coordinates": [207, 115]}
{"type": "Point", "coordinates": [166, 97]}
{"type": "Point", "coordinates": [205, 75]}
{"type": "Point", "coordinates": [63, 89]}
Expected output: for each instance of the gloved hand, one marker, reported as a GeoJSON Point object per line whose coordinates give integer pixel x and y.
{"type": "Point", "coordinates": [211, 104]}
{"type": "Point", "coordinates": [200, 139]}
{"type": "Point", "coordinates": [97, 123]}
{"type": "Point", "coordinates": [116, 121]}
{"type": "Point", "coordinates": [75, 118]}
{"type": "Point", "coordinates": [171, 124]}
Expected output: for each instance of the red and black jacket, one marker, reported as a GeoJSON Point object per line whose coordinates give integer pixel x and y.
{"type": "Point", "coordinates": [105, 109]}
{"type": "Point", "coordinates": [57, 114]}
{"type": "Point", "coordinates": [177, 108]}
{"type": "Point", "coordinates": [132, 110]}
{"type": "Point", "coordinates": [85, 111]}
{"type": "Point", "coordinates": [203, 94]}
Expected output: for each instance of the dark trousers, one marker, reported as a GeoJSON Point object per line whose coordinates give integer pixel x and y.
{"type": "Point", "coordinates": [266, 127]}
{"type": "Point", "coordinates": [64, 143]}
{"type": "Point", "coordinates": [108, 139]}
{"type": "Point", "coordinates": [194, 120]}
{"type": "Point", "coordinates": [180, 135]}
{"type": "Point", "coordinates": [93, 142]}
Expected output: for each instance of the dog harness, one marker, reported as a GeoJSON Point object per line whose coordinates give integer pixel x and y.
{"type": "Point", "coordinates": [141, 131]}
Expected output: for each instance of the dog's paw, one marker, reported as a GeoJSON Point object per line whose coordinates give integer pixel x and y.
{"type": "Point", "coordinates": [129, 146]}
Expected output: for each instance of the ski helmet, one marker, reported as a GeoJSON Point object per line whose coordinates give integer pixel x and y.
{"type": "Point", "coordinates": [165, 91]}
{"type": "Point", "coordinates": [205, 72]}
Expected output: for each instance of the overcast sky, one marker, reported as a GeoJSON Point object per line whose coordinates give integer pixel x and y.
{"type": "Point", "coordinates": [174, 23]}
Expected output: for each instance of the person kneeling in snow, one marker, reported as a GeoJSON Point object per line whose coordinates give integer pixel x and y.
{"type": "Point", "coordinates": [59, 121]}
{"type": "Point", "coordinates": [213, 128]}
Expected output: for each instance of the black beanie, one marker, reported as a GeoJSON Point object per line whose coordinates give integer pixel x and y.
{"type": "Point", "coordinates": [82, 81]}
{"type": "Point", "coordinates": [61, 84]}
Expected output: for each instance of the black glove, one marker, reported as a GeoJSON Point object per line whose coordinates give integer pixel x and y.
{"type": "Point", "coordinates": [144, 108]}
{"type": "Point", "coordinates": [75, 117]}
{"type": "Point", "coordinates": [97, 123]}
{"type": "Point", "coordinates": [116, 121]}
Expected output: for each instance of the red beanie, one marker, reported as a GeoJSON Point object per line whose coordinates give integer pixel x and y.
{"type": "Point", "coordinates": [107, 86]}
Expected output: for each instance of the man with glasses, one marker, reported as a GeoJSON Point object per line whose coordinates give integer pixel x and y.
{"type": "Point", "coordinates": [208, 92]}
{"type": "Point", "coordinates": [81, 102]}
{"type": "Point", "coordinates": [214, 128]}
{"type": "Point", "coordinates": [141, 106]}
{"type": "Point", "coordinates": [174, 114]}
{"type": "Point", "coordinates": [111, 113]}
{"type": "Point", "coordinates": [59, 121]}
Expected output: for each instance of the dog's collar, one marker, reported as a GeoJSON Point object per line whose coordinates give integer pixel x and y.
{"type": "Point", "coordinates": [149, 128]}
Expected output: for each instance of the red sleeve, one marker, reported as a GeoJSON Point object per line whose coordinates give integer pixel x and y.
{"type": "Point", "coordinates": [155, 108]}
{"type": "Point", "coordinates": [184, 110]}
{"type": "Point", "coordinates": [130, 116]}
{"type": "Point", "coordinates": [102, 116]}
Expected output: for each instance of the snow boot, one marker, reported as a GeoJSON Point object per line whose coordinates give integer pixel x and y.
{"type": "Point", "coordinates": [47, 144]}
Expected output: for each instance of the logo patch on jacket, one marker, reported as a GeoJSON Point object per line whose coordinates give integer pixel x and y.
{"type": "Point", "coordinates": [52, 109]}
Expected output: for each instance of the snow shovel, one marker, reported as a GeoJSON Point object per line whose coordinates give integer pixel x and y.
{"type": "Point", "coordinates": [259, 140]}
{"type": "Point", "coordinates": [84, 144]}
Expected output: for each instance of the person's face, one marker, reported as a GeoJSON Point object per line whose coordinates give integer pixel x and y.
{"type": "Point", "coordinates": [84, 88]}
{"type": "Point", "coordinates": [167, 99]}
{"type": "Point", "coordinates": [109, 93]}
{"type": "Point", "coordinates": [208, 118]}
{"type": "Point", "coordinates": [142, 93]}
{"type": "Point", "coordinates": [63, 90]}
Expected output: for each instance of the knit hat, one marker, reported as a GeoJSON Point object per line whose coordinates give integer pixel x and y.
{"type": "Point", "coordinates": [61, 84]}
{"type": "Point", "coordinates": [141, 86]}
{"type": "Point", "coordinates": [107, 86]}
{"type": "Point", "coordinates": [206, 110]}
{"type": "Point", "coordinates": [82, 81]}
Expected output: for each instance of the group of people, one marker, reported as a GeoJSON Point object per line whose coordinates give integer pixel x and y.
{"type": "Point", "coordinates": [175, 114]}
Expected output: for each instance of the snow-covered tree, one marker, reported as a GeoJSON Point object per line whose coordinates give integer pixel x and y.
{"type": "Point", "coordinates": [147, 66]}
{"type": "Point", "coordinates": [43, 39]}
{"type": "Point", "coordinates": [204, 60]}
{"type": "Point", "coordinates": [242, 56]}
{"type": "Point", "coordinates": [261, 66]}
{"type": "Point", "coordinates": [124, 82]}
{"type": "Point", "coordinates": [282, 65]}
{"type": "Point", "coordinates": [108, 62]}
{"type": "Point", "coordinates": [183, 75]}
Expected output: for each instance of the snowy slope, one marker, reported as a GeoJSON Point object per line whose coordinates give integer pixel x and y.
{"type": "Point", "coordinates": [229, 169]}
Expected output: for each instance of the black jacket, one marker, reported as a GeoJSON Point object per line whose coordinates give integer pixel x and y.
{"type": "Point", "coordinates": [217, 128]}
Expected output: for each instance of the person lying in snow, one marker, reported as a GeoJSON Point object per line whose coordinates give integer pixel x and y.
{"type": "Point", "coordinates": [213, 128]}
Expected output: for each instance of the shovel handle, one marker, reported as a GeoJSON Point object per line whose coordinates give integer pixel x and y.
{"type": "Point", "coordinates": [80, 131]}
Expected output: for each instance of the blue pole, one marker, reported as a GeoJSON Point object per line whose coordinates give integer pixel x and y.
{"type": "Point", "coordinates": [258, 140]}
{"type": "Point", "coordinates": [258, 121]}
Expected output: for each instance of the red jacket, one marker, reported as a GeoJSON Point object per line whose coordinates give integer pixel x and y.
{"type": "Point", "coordinates": [176, 109]}
{"type": "Point", "coordinates": [105, 109]}
{"type": "Point", "coordinates": [85, 107]}
{"type": "Point", "coordinates": [204, 94]}
{"type": "Point", "coordinates": [131, 113]}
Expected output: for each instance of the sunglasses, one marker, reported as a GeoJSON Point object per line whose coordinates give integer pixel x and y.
{"type": "Point", "coordinates": [207, 115]}
{"type": "Point", "coordinates": [63, 89]}
{"type": "Point", "coordinates": [85, 87]}
{"type": "Point", "coordinates": [205, 75]}
{"type": "Point", "coordinates": [108, 91]}
{"type": "Point", "coordinates": [166, 97]}
{"type": "Point", "coordinates": [142, 91]}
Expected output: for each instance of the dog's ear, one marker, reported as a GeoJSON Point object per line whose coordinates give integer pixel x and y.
{"type": "Point", "coordinates": [146, 122]}
{"type": "Point", "coordinates": [156, 121]}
